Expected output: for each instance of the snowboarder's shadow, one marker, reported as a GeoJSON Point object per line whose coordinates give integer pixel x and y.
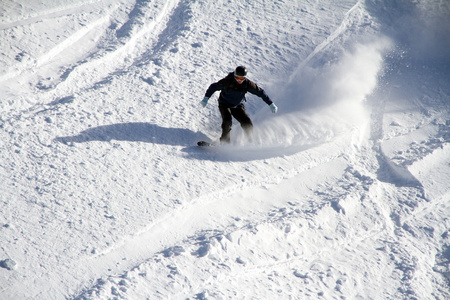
{"type": "Point", "coordinates": [135, 132]}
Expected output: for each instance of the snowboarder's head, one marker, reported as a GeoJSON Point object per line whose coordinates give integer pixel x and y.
{"type": "Point", "coordinates": [240, 73]}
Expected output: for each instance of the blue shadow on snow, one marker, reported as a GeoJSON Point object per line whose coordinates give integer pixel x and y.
{"type": "Point", "coordinates": [136, 132]}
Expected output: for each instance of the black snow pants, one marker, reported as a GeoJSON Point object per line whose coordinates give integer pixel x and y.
{"type": "Point", "coordinates": [240, 115]}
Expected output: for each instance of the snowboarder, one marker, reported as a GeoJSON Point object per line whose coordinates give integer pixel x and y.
{"type": "Point", "coordinates": [231, 101]}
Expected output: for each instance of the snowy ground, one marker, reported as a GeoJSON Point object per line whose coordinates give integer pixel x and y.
{"type": "Point", "coordinates": [345, 193]}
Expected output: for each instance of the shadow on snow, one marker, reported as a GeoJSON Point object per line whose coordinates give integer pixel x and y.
{"type": "Point", "coordinates": [136, 132]}
{"type": "Point", "coordinates": [151, 133]}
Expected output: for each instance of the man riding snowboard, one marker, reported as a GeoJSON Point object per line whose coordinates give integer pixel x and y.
{"type": "Point", "coordinates": [231, 101]}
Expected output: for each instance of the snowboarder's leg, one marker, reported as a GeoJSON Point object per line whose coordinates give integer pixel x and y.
{"type": "Point", "coordinates": [240, 114]}
{"type": "Point", "coordinates": [226, 123]}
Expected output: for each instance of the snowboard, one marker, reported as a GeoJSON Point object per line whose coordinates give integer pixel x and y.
{"type": "Point", "coordinates": [205, 144]}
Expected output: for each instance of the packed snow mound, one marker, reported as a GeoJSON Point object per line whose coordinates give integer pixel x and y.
{"type": "Point", "coordinates": [344, 193]}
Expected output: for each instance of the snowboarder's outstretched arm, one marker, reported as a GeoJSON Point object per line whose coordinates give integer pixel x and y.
{"type": "Point", "coordinates": [256, 90]}
{"type": "Point", "coordinates": [217, 86]}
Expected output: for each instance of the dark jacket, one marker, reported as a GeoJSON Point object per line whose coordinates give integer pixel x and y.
{"type": "Point", "coordinates": [233, 94]}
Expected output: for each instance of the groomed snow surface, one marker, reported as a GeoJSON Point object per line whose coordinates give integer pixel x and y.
{"type": "Point", "coordinates": [344, 194]}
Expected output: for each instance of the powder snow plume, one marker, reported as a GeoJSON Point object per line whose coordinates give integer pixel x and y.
{"type": "Point", "coordinates": [326, 97]}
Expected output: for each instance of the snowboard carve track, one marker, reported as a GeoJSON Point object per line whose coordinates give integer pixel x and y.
{"type": "Point", "coordinates": [115, 58]}
{"type": "Point", "coordinates": [88, 69]}
{"type": "Point", "coordinates": [196, 204]}
{"type": "Point", "coordinates": [303, 262]}
{"type": "Point", "coordinates": [170, 229]}
{"type": "Point", "coordinates": [351, 20]}
{"type": "Point", "coordinates": [57, 49]}
{"type": "Point", "coordinates": [55, 13]}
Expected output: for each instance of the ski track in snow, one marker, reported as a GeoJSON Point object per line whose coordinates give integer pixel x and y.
{"type": "Point", "coordinates": [103, 196]}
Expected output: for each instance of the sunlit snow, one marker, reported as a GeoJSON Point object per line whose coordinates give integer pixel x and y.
{"type": "Point", "coordinates": [343, 194]}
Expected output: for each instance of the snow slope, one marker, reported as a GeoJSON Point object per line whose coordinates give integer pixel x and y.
{"type": "Point", "coordinates": [345, 193]}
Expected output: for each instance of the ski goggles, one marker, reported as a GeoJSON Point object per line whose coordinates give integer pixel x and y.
{"type": "Point", "coordinates": [240, 78]}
